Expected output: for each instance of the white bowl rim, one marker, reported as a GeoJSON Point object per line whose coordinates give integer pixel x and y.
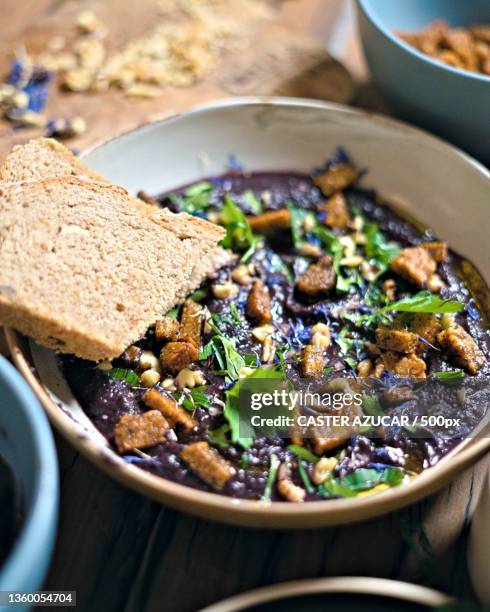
{"type": "Point", "coordinates": [366, 8]}
{"type": "Point", "coordinates": [349, 585]}
{"type": "Point", "coordinates": [249, 512]}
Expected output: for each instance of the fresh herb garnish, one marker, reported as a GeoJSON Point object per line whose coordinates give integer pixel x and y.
{"type": "Point", "coordinates": [305, 478]}
{"type": "Point", "coordinates": [361, 480]}
{"type": "Point", "coordinates": [252, 201]}
{"type": "Point", "coordinates": [195, 199]}
{"type": "Point", "coordinates": [235, 314]}
{"type": "Point", "coordinates": [124, 374]}
{"type": "Point", "coordinates": [219, 436]}
{"type": "Point", "coordinates": [194, 398]}
{"type": "Point", "coordinates": [377, 249]}
{"type": "Point", "coordinates": [274, 466]}
{"type": "Point", "coordinates": [173, 313]}
{"type": "Point", "coordinates": [239, 235]}
{"type": "Point", "coordinates": [424, 301]}
{"type": "Point", "coordinates": [450, 376]}
{"type": "Point", "coordinates": [303, 453]}
{"type": "Point", "coordinates": [199, 294]}
{"type": "Point", "coordinates": [297, 228]}
{"type": "Point", "coordinates": [335, 248]}
{"type": "Point", "coordinates": [371, 406]}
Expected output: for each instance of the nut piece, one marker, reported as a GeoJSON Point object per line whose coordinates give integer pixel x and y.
{"type": "Point", "coordinates": [263, 332]}
{"type": "Point", "coordinates": [191, 323]}
{"type": "Point", "coordinates": [389, 289]}
{"type": "Point", "coordinates": [259, 302]}
{"type": "Point", "coordinates": [322, 445]}
{"type": "Point", "coordinates": [241, 275]}
{"type": "Point", "coordinates": [189, 379]}
{"type": "Point", "coordinates": [208, 464]}
{"type": "Point", "coordinates": [415, 264]}
{"type": "Point", "coordinates": [337, 213]}
{"type": "Point", "coordinates": [149, 378]}
{"type": "Point", "coordinates": [437, 250]}
{"type": "Point", "coordinates": [462, 348]}
{"type": "Point", "coordinates": [309, 250]}
{"type": "Point", "coordinates": [318, 278]}
{"type": "Point", "coordinates": [401, 365]}
{"type": "Point", "coordinates": [136, 431]}
{"type": "Point", "coordinates": [435, 284]}
{"type": "Point", "coordinates": [323, 469]}
{"type": "Point", "coordinates": [312, 361]}
{"type": "Point", "coordinates": [336, 178]}
{"type": "Point", "coordinates": [167, 329]}
{"type": "Point", "coordinates": [286, 487]}
{"type": "Point", "coordinates": [320, 341]}
{"type": "Point", "coordinates": [178, 355]}
{"type": "Point", "coordinates": [268, 350]}
{"type": "Point", "coordinates": [169, 408]}
{"type": "Point", "coordinates": [269, 222]}
{"type": "Point", "coordinates": [365, 368]}
{"type": "Point", "coordinates": [149, 361]}
{"type": "Point", "coordinates": [225, 291]}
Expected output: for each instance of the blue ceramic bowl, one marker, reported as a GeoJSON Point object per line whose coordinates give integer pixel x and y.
{"type": "Point", "coordinates": [451, 102]}
{"type": "Point", "coordinates": [26, 444]}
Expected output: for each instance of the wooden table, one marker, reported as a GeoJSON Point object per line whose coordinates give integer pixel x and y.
{"type": "Point", "coordinates": [120, 551]}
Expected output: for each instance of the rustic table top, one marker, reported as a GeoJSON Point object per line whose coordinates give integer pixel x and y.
{"type": "Point", "coordinates": [120, 551]}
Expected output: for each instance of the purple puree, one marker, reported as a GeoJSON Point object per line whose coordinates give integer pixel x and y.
{"type": "Point", "coordinates": [106, 399]}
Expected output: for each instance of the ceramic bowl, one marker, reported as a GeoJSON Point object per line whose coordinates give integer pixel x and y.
{"type": "Point", "coordinates": [453, 103]}
{"type": "Point", "coordinates": [26, 445]}
{"type": "Point", "coordinates": [423, 175]}
{"type": "Point", "coordinates": [343, 594]}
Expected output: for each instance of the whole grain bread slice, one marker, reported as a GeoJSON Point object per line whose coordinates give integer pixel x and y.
{"type": "Point", "coordinates": [43, 158]}
{"type": "Point", "coordinates": [84, 270]}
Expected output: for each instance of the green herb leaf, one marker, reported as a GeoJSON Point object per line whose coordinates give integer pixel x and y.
{"type": "Point", "coordinates": [377, 248]}
{"type": "Point", "coordinates": [362, 480]}
{"type": "Point", "coordinates": [219, 437]}
{"type": "Point", "coordinates": [274, 466]}
{"type": "Point", "coordinates": [297, 229]}
{"type": "Point", "coordinates": [424, 301]}
{"type": "Point", "coordinates": [303, 453]}
{"type": "Point", "coordinates": [253, 202]}
{"type": "Point", "coordinates": [305, 478]}
{"type": "Point", "coordinates": [173, 313]}
{"type": "Point", "coordinates": [199, 294]}
{"type": "Point", "coordinates": [235, 314]}
{"type": "Point", "coordinates": [333, 246]}
{"type": "Point", "coordinates": [450, 376]}
{"type": "Point", "coordinates": [128, 376]}
{"type": "Point", "coordinates": [371, 406]}
{"type": "Point", "coordinates": [239, 235]}
{"type": "Point", "coordinates": [195, 199]}
{"type": "Point", "coordinates": [195, 398]}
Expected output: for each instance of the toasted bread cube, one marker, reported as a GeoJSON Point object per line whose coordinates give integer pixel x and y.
{"type": "Point", "coordinates": [259, 303]}
{"type": "Point", "coordinates": [178, 355]}
{"type": "Point", "coordinates": [208, 464]}
{"type": "Point", "coordinates": [407, 333]}
{"type": "Point", "coordinates": [415, 264]}
{"type": "Point", "coordinates": [269, 222]}
{"type": "Point", "coordinates": [336, 178]}
{"type": "Point", "coordinates": [399, 340]}
{"type": "Point", "coordinates": [136, 431]}
{"type": "Point", "coordinates": [322, 445]}
{"type": "Point", "coordinates": [318, 278]}
{"type": "Point", "coordinates": [437, 250]}
{"type": "Point", "coordinates": [337, 213]}
{"type": "Point", "coordinates": [169, 408]}
{"type": "Point", "coordinates": [401, 365]}
{"type": "Point", "coordinates": [312, 361]}
{"type": "Point", "coordinates": [462, 348]}
{"type": "Point", "coordinates": [167, 329]}
{"type": "Point", "coordinates": [191, 323]}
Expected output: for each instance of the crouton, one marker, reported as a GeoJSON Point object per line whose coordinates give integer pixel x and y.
{"type": "Point", "coordinates": [401, 365]}
{"type": "Point", "coordinates": [191, 323]}
{"type": "Point", "coordinates": [178, 355]}
{"type": "Point", "coordinates": [312, 361]}
{"type": "Point", "coordinates": [337, 213]}
{"type": "Point", "coordinates": [415, 264]}
{"type": "Point", "coordinates": [269, 222]}
{"type": "Point", "coordinates": [437, 250]}
{"type": "Point", "coordinates": [336, 178]}
{"type": "Point", "coordinates": [318, 278]}
{"type": "Point", "coordinates": [259, 303]}
{"type": "Point", "coordinates": [167, 329]}
{"type": "Point", "coordinates": [208, 464]}
{"type": "Point", "coordinates": [136, 431]}
{"type": "Point", "coordinates": [322, 445]}
{"type": "Point", "coordinates": [461, 347]}
{"type": "Point", "coordinates": [171, 410]}
{"type": "Point", "coordinates": [407, 333]}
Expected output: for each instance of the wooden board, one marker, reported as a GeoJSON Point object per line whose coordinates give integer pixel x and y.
{"type": "Point", "coordinates": [282, 57]}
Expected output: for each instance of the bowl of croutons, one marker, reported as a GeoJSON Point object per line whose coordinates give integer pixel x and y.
{"type": "Point", "coordinates": [431, 61]}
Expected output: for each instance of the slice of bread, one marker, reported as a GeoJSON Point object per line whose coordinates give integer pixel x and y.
{"type": "Point", "coordinates": [43, 158]}
{"type": "Point", "coordinates": [85, 271]}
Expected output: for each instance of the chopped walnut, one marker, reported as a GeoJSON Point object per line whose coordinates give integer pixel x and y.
{"type": "Point", "coordinates": [286, 487]}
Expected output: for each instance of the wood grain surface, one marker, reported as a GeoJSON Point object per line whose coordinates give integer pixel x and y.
{"type": "Point", "coordinates": [122, 552]}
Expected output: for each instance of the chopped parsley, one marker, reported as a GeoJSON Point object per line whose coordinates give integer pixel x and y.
{"type": "Point", "coordinates": [424, 301]}
{"type": "Point", "coordinates": [196, 198]}
{"type": "Point", "coordinates": [303, 453]}
{"type": "Point", "coordinates": [239, 235]}
{"type": "Point", "coordinates": [450, 376]}
{"type": "Point", "coordinates": [274, 466]}
{"type": "Point", "coordinates": [124, 374]}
